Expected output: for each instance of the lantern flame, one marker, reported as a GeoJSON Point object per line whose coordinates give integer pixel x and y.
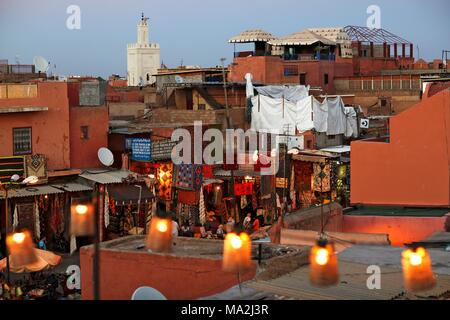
{"type": "Point", "coordinates": [162, 226]}
{"type": "Point", "coordinates": [236, 242]}
{"type": "Point", "coordinates": [322, 257]}
{"type": "Point", "coordinates": [81, 209]}
{"type": "Point", "coordinates": [18, 237]}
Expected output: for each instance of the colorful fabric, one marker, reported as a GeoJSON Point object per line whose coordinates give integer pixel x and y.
{"type": "Point", "coordinates": [202, 208]}
{"type": "Point", "coordinates": [37, 222]}
{"type": "Point", "coordinates": [322, 179]}
{"type": "Point", "coordinates": [36, 165]}
{"type": "Point", "coordinates": [106, 208]}
{"type": "Point", "coordinates": [165, 175]}
{"type": "Point", "coordinates": [245, 188]}
{"type": "Point", "coordinates": [189, 176]}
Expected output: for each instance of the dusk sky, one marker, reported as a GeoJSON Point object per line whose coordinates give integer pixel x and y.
{"type": "Point", "coordinates": [194, 31]}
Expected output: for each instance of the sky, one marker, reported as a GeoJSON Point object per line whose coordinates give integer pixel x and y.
{"type": "Point", "coordinates": [194, 32]}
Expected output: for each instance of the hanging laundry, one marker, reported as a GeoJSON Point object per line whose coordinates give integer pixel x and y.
{"type": "Point", "coordinates": [336, 121]}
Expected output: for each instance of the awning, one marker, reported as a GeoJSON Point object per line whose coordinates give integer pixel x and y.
{"type": "Point", "coordinates": [236, 173]}
{"type": "Point", "coordinates": [72, 187]}
{"type": "Point", "coordinates": [32, 191]}
{"type": "Point", "coordinates": [106, 177]}
{"type": "Point", "coordinates": [126, 193]}
{"type": "Point", "coordinates": [337, 149]}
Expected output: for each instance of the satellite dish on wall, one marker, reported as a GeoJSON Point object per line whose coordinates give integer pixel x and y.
{"type": "Point", "coordinates": [179, 79]}
{"type": "Point", "coordinates": [41, 64]}
{"type": "Point", "coordinates": [105, 156]}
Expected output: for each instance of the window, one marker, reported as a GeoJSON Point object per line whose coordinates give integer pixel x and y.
{"type": "Point", "coordinates": [84, 132]}
{"type": "Point", "coordinates": [303, 79]}
{"type": "Point", "coordinates": [325, 78]}
{"type": "Point", "coordinates": [22, 141]}
{"type": "Point", "coordinates": [148, 77]}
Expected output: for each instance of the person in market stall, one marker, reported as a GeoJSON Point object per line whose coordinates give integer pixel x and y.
{"type": "Point", "coordinates": [186, 230]}
{"type": "Point", "coordinates": [247, 222]}
{"type": "Point", "coordinates": [175, 227]}
{"type": "Point", "coordinates": [230, 225]}
{"type": "Point", "coordinates": [220, 232]}
{"type": "Point", "coordinates": [255, 224]}
{"type": "Point", "coordinates": [211, 224]}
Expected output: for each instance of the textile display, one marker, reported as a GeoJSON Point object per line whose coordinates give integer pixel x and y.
{"type": "Point", "coordinates": [322, 178]}
{"type": "Point", "coordinates": [165, 174]}
{"type": "Point", "coordinates": [245, 188]}
{"type": "Point", "coordinates": [36, 165]}
{"type": "Point", "coordinates": [73, 243]}
{"type": "Point", "coordinates": [37, 222]}
{"type": "Point", "coordinates": [292, 190]}
{"type": "Point", "coordinates": [15, 218]}
{"type": "Point", "coordinates": [243, 201]}
{"type": "Point", "coordinates": [201, 208]}
{"type": "Point", "coordinates": [57, 215]}
{"type": "Point", "coordinates": [189, 176]}
{"type": "Point", "coordinates": [106, 208]}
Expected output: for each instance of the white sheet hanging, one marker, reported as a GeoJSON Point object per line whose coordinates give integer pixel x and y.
{"type": "Point", "coordinates": [304, 118]}
{"type": "Point", "coordinates": [273, 115]}
{"type": "Point", "coordinates": [320, 114]}
{"type": "Point", "coordinates": [337, 120]}
{"type": "Point", "coordinates": [352, 122]}
{"type": "Point", "coordinates": [249, 86]}
{"type": "Point", "coordinates": [290, 93]}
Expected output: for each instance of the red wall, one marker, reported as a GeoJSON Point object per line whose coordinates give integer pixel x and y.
{"type": "Point", "coordinates": [179, 278]}
{"type": "Point", "coordinates": [84, 151]}
{"type": "Point", "coordinates": [270, 70]}
{"type": "Point", "coordinates": [413, 169]}
{"type": "Point", "coordinates": [401, 230]}
{"type": "Point", "coordinates": [50, 129]}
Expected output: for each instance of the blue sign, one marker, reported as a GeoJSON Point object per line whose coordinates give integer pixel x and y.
{"type": "Point", "coordinates": [140, 149]}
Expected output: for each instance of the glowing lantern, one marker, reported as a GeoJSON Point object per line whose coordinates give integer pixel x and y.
{"type": "Point", "coordinates": [323, 269]}
{"type": "Point", "coordinates": [82, 220]}
{"type": "Point", "coordinates": [159, 238]}
{"type": "Point", "coordinates": [417, 271]}
{"type": "Point", "coordinates": [237, 253]}
{"type": "Point", "coordinates": [21, 248]}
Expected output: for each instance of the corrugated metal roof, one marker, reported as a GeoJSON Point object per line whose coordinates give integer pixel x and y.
{"type": "Point", "coordinates": [72, 187]}
{"type": "Point", "coordinates": [337, 149]}
{"type": "Point", "coordinates": [32, 191]}
{"type": "Point", "coordinates": [106, 177]}
{"type": "Point", "coordinates": [352, 285]}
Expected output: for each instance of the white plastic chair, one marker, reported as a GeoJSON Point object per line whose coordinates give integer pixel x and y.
{"type": "Point", "coordinates": [147, 293]}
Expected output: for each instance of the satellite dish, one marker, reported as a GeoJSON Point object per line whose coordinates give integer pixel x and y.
{"type": "Point", "coordinates": [179, 79]}
{"type": "Point", "coordinates": [41, 64]}
{"type": "Point", "coordinates": [147, 293]}
{"type": "Point", "coordinates": [105, 156]}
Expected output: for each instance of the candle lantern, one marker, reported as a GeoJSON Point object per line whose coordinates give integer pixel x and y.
{"type": "Point", "coordinates": [82, 220]}
{"type": "Point", "coordinates": [159, 238]}
{"type": "Point", "coordinates": [237, 253]}
{"type": "Point", "coordinates": [21, 248]}
{"type": "Point", "coordinates": [323, 268]}
{"type": "Point", "coordinates": [417, 271]}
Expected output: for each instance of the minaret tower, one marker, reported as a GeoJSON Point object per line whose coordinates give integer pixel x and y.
{"type": "Point", "coordinates": [143, 57]}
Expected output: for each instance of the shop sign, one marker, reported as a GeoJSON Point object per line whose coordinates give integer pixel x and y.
{"type": "Point", "coordinates": [140, 149]}
{"type": "Point", "coordinates": [162, 149]}
{"type": "Point", "coordinates": [281, 182]}
{"type": "Point", "coordinates": [364, 123]}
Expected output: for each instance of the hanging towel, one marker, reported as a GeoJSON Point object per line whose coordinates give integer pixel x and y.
{"type": "Point", "coordinates": [37, 222]}
{"type": "Point", "coordinates": [15, 218]}
{"type": "Point", "coordinates": [106, 208]}
{"type": "Point", "coordinates": [73, 243]}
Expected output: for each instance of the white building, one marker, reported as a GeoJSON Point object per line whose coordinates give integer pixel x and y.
{"type": "Point", "coordinates": [143, 57]}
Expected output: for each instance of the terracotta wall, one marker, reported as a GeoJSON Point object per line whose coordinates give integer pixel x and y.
{"type": "Point", "coordinates": [50, 129]}
{"type": "Point", "coordinates": [176, 277]}
{"type": "Point", "coordinates": [84, 151]}
{"type": "Point", "coordinates": [401, 230]}
{"type": "Point", "coordinates": [413, 169]}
